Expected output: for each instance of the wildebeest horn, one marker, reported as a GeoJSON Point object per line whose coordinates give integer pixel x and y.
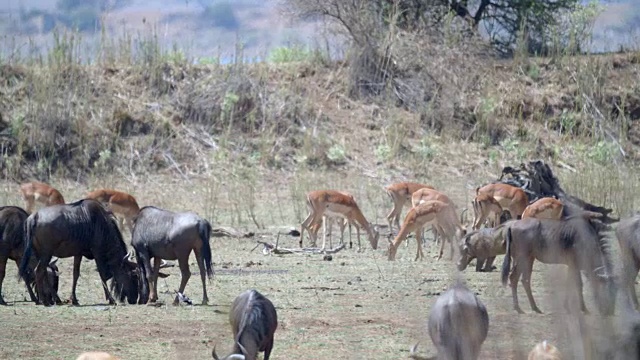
{"type": "Point", "coordinates": [244, 351]}
{"type": "Point", "coordinates": [462, 216]}
{"type": "Point", "coordinates": [213, 353]}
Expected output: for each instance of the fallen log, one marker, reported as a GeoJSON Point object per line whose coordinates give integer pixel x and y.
{"type": "Point", "coordinates": [269, 249]}
{"type": "Point", "coordinates": [537, 181]}
{"type": "Point", "coordinates": [230, 232]}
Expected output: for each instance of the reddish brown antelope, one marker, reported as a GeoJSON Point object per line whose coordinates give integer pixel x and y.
{"type": "Point", "coordinates": [36, 191]}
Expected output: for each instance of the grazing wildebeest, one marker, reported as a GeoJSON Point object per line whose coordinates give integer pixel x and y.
{"type": "Point", "coordinates": [253, 321]}
{"type": "Point", "coordinates": [574, 241]}
{"type": "Point", "coordinates": [628, 234]}
{"type": "Point", "coordinates": [544, 351]}
{"type": "Point", "coordinates": [458, 325]}
{"type": "Point", "coordinates": [483, 245]}
{"type": "Point", "coordinates": [163, 234]}
{"type": "Point", "coordinates": [83, 228]}
{"type": "Point", "coordinates": [12, 220]}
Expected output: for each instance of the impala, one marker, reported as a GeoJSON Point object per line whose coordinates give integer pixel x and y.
{"type": "Point", "coordinates": [335, 203]}
{"type": "Point", "coordinates": [486, 207]}
{"type": "Point", "coordinates": [427, 194]}
{"type": "Point", "coordinates": [123, 205]}
{"type": "Point", "coordinates": [431, 212]}
{"type": "Point", "coordinates": [400, 193]}
{"type": "Point", "coordinates": [36, 191]}
{"type": "Point", "coordinates": [511, 198]}
{"type": "Point", "coordinates": [544, 208]}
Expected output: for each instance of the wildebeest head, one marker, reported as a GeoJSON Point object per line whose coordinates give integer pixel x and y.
{"type": "Point", "coordinates": [465, 257]}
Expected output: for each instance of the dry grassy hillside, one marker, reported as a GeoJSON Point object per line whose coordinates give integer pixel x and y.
{"type": "Point", "coordinates": [241, 144]}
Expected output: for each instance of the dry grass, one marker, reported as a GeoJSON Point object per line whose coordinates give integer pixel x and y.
{"type": "Point", "coordinates": [358, 305]}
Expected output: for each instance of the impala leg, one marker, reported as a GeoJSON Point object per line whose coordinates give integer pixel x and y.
{"type": "Point", "coordinates": [183, 262]}
{"type": "Point", "coordinates": [526, 283]}
{"type": "Point", "coordinates": [394, 215]}
{"type": "Point", "coordinates": [358, 233]}
{"type": "Point", "coordinates": [154, 275]}
{"type": "Point", "coordinates": [310, 219]}
{"type": "Point", "coordinates": [419, 253]}
{"type": "Point", "coordinates": [324, 232]}
{"type": "Point", "coordinates": [77, 260]}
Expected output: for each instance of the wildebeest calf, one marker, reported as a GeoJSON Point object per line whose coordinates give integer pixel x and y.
{"type": "Point", "coordinates": [253, 321]}
{"type": "Point", "coordinates": [484, 245]}
{"type": "Point", "coordinates": [458, 325]}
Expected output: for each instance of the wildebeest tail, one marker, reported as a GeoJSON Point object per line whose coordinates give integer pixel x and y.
{"type": "Point", "coordinates": [144, 282]}
{"type": "Point", "coordinates": [204, 229]}
{"type": "Point", "coordinates": [506, 263]}
{"type": "Point", "coordinates": [29, 225]}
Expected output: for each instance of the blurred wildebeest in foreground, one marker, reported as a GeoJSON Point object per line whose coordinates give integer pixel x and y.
{"type": "Point", "coordinates": [628, 234]}
{"type": "Point", "coordinates": [96, 355]}
{"type": "Point", "coordinates": [12, 220]}
{"type": "Point", "coordinates": [575, 242]}
{"type": "Point", "coordinates": [83, 228]}
{"type": "Point", "coordinates": [162, 234]}
{"type": "Point", "coordinates": [253, 321]}
{"type": "Point", "coordinates": [458, 325]}
{"type": "Point", "coordinates": [483, 245]}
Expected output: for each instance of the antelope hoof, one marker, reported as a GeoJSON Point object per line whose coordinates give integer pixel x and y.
{"type": "Point", "coordinates": [537, 310]}
{"type": "Point", "coordinates": [2, 302]}
{"type": "Point", "coordinates": [176, 302]}
{"type": "Point", "coordinates": [205, 301]}
{"type": "Point", "coordinates": [518, 310]}
{"type": "Point", "coordinates": [74, 302]}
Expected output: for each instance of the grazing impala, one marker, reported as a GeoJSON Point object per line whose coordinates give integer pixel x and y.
{"type": "Point", "coordinates": [427, 194]}
{"type": "Point", "coordinates": [486, 207]}
{"type": "Point", "coordinates": [511, 198]}
{"type": "Point", "coordinates": [544, 208]}
{"type": "Point", "coordinates": [430, 212]}
{"type": "Point", "coordinates": [401, 193]}
{"type": "Point", "coordinates": [123, 205]}
{"type": "Point", "coordinates": [40, 192]}
{"type": "Point", "coordinates": [335, 203]}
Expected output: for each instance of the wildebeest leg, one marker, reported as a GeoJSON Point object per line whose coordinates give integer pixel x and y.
{"type": "Point", "coordinates": [629, 273]}
{"type": "Point", "coordinates": [267, 350]}
{"type": "Point", "coordinates": [203, 274]}
{"type": "Point", "coordinates": [43, 288]}
{"type": "Point", "coordinates": [527, 268]}
{"type": "Point", "coordinates": [153, 281]}
{"type": "Point", "coordinates": [574, 274]}
{"type": "Point", "coordinates": [3, 266]}
{"type": "Point", "coordinates": [513, 282]}
{"type": "Point", "coordinates": [488, 264]}
{"type": "Point", "coordinates": [76, 274]}
{"type": "Point", "coordinates": [183, 262]}
{"type": "Point", "coordinates": [2, 273]}
{"type": "Point", "coordinates": [479, 263]}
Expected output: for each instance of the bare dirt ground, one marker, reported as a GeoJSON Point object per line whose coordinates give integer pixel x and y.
{"type": "Point", "coordinates": [359, 305]}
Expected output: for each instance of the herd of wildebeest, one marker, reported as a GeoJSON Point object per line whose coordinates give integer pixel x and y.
{"type": "Point", "coordinates": [546, 230]}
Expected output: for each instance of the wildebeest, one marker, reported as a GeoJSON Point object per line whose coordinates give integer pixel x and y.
{"type": "Point", "coordinates": [483, 245]}
{"type": "Point", "coordinates": [574, 241]}
{"type": "Point", "coordinates": [253, 321]}
{"type": "Point", "coordinates": [163, 234]}
{"type": "Point", "coordinates": [12, 220]}
{"type": "Point", "coordinates": [628, 234]}
{"type": "Point", "coordinates": [544, 351]}
{"type": "Point", "coordinates": [83, 228]}
{"type": "Point", "coordinates": [458, 325]}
